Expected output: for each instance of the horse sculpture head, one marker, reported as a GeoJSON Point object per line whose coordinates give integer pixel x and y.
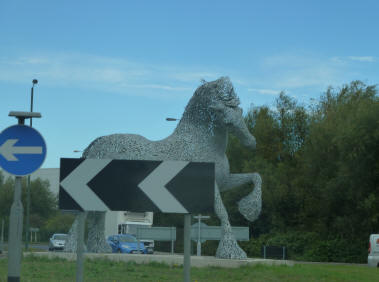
{"type": "Point", "coordinates": [216, 104]}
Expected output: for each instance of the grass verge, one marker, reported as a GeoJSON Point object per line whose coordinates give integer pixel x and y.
{"type": "Point", "coordinates": [43, 269]}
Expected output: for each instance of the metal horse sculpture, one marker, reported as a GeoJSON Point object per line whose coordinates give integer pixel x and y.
{"type": "Point", "coordinates": [201, 136]}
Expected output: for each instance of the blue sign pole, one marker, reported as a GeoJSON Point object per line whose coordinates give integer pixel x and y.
{"type": "Point", "coordinates": [22, 151]}
{"type": "Point", "coordinates": [15, 234]}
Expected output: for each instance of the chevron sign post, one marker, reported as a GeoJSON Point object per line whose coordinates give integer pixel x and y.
{"type": "Point", "coordinates": [136, 185]}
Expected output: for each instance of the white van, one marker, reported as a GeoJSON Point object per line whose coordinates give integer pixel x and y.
{"type": "Point", "coordinates": [373, 250]}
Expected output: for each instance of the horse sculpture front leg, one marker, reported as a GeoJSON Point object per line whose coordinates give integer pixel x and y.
{"type": "Point", "coordinates": [250, 207]}
{"type": "Point", "coordinates": [228, 247]}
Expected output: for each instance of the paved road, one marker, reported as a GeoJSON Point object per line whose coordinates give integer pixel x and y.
{"type": "Point", "coordinates": [45, 247]}
{"type": "Point", "coordinates": [35, 246]}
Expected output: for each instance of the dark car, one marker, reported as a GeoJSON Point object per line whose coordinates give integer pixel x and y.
{"type": "Point", "coordinates": [126, 243]}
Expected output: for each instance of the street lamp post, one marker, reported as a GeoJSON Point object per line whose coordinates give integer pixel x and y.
{"type": "Point", "coordinates": [172, 119]}
{"type": "Point", "coordinates": [35, 81]}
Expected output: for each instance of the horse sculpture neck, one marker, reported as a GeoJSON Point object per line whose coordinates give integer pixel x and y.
{"type": "Point", "coordinates": [202, 134]}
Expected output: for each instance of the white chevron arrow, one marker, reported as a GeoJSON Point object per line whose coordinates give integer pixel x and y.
{"type": "Point", "coordinates": [8, 150]}
{"type": "Point", "coordinates": [75, 184]}
{"type": "Point", "coordinates": [154, 186]}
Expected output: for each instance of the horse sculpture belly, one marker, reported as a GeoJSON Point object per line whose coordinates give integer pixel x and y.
{"type": "Point", "coordinates": [200, 136]}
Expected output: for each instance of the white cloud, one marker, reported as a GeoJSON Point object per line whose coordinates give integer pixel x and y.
{"type": "Point", "coordinates": [338, 60]}
{"type": "Point", "coordinates": [297, 71]}
{"type": "Point", "coordinates": [362, 58]}
{"type": "Point", "coordinates": [264, 91]}
{"type": "Point", "coordinates": [350, 59]}
{"type": "Point", "coordinates": [158, 86]}
{"type": "Point", "coordinates": [102, 73]}
{"type": "Point", "coordinates": [307, 75]}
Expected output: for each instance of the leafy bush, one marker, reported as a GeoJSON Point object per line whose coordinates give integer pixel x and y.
{"type": "Point", "coordinates": [310, 246]}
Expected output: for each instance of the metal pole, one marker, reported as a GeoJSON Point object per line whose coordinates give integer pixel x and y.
{"type": "Point", "coordinates": [15, 235]}
{"type": "Point", "coordinates": [27, 213]}
{"type": "Point", "coordinates": [28, 188]}
{"type": "Point", "coordinates": [80, 247]}
{"type": "Point", "coordinates": [31, 104]}
{"type": "Point", "coordinates": [172, 240]}
{"type": "Point", "coordinates": [187, 246]}
{"type": "Point", "coordinates": [15, 230]}
{"type": "Point", "coordinates": [198, 237]}
{"type": "Point", "coordinates": [2, 236]}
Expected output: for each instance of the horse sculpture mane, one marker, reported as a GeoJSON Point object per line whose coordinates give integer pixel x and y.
{"type": "Point", "coordinates": [201, 135]}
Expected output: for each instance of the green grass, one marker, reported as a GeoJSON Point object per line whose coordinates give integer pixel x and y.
{"type": "Point", "coordinates": [43, 269]}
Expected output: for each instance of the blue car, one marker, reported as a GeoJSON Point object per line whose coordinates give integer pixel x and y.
{"type": "Point", "coordinates": [125, 243]}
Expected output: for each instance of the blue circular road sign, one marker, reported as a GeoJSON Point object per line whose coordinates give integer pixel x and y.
{"type": "Point", "coordinates": [22, 150]}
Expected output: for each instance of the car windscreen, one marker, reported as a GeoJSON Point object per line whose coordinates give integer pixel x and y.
{"type": "Point", "coordinates": [127, 239]}
{"type": "Point", "coordinates": [60, 237]}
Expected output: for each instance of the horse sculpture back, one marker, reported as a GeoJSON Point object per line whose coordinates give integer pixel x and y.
{"type": "Point", "coordinates": [201, 136]}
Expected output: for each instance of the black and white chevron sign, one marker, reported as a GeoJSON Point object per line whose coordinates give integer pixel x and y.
{"type": "Point", "coordinates": [136, 185]}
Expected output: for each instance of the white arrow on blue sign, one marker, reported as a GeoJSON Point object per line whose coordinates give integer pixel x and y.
{"type": "Point", "coordinates": [22, 150]}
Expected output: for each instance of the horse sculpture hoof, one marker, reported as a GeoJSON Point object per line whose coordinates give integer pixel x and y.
{"type": "Point", "coordinates": [96, 247]}
{"type": "Point", "coordinates": [250, 206]}
{"type": "Point", "coordinates": [229, 249]}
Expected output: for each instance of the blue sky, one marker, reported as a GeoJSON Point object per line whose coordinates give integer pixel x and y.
{"type": "Point", "coordinates": [124, 66]}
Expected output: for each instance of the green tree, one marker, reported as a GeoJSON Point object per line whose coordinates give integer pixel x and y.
{"type": "Point", "coordinates": [58, 223]}
{"type": "Point", "coordinates": [43, 202]}
{"type": "Point", "coordinates": [342, 157]}
{"type": "Point", "coordinates": [319, 168]}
